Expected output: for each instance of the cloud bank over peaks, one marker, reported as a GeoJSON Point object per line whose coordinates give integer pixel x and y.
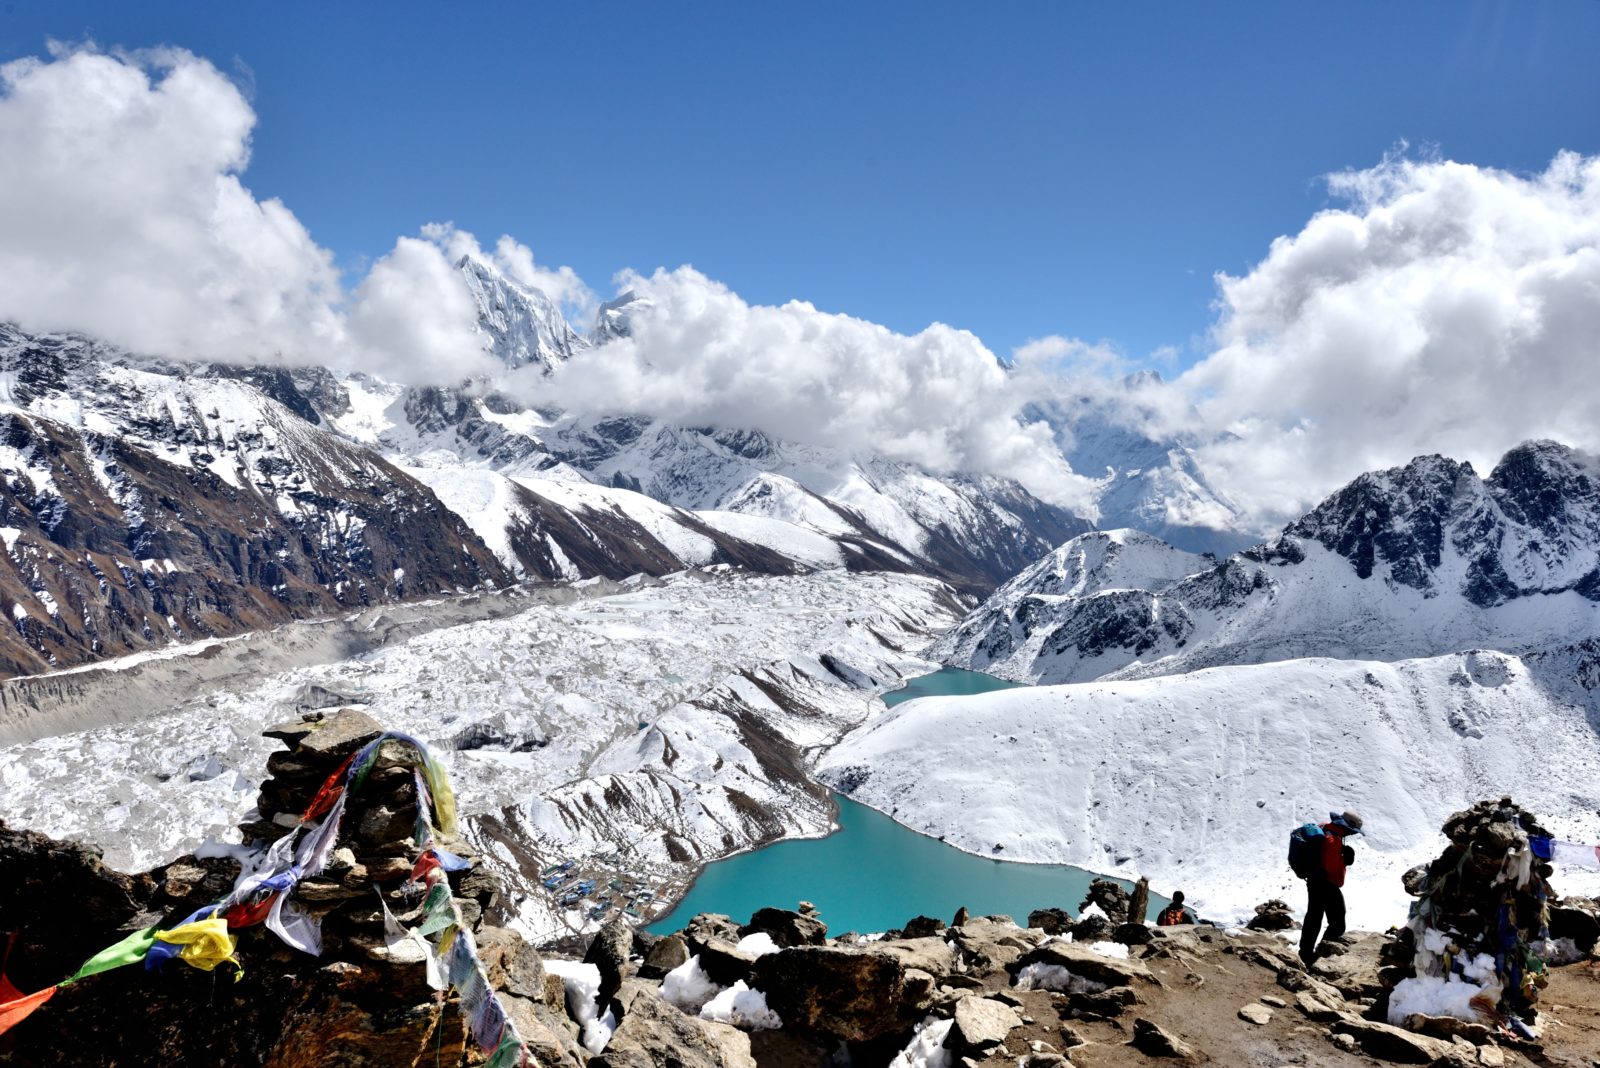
{"type": "Point", "coordinates": [1444, 307]}
{"type": "Point", "coordinates": [1448, 308]}
{"type": "Point", "coordinates": [125, 218]}
{"type": "Point", "coordinates": [698, 353]}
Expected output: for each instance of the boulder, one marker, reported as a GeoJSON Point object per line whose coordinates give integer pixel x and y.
{"type": "Point", "coordinates": [1573, 920]}
{"type": "Point", "coordinates": [1103, 1004]}
{"type": "Point", "coordinates": [710, 925]}
{"type": "Point", "coordinates": [981, 1024]}
{"type": "Point", "coordinates": [1051, 921]}
{"type": "Point", "coordinates": [1153, 1040]}
{"type": "Point", "coordinates": [1389, 1043]}
{"type": "Point", "coordinates": [961, 917]}
{"type": "Point", "coordinates": [850, 994]}
{"type": "Point", "coordinates": [1255, 1013]}
{"type": "Point", "coordinates": [1131, 934]}
{"type": "Point", "coordinates": [1296, 981]}
{"type": "Point", "coordinates": [1447, 1027]}
{"type": "Point", "coordinates": [1087, 964]}
{"type": "Point", "coordinates": [787, 928]}
{"type": "Point", "coordinates": [1315, 1009]}
{"type": "Point", "coordinates": [723, 962]}
{"type": "Point", "coordinates": [665, 955]}
{"type": "Point", "coordinates": [921, 927]}
{"type": "Point", "coordinates": [609, 952]}
{"type": "Point", "coordinates": [988, 942]}
{"type": "Point", "coordinates": [654, 1033]}
{"type": "Point", "coordinates": [932, 955]}
{"type": "Point", "coordinates": [513, 965]}
{"type": "Point", "coordinates": [1092, 929]}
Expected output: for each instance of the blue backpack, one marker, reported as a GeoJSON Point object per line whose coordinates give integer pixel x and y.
{"type": "Point", "coordinates": [1305, 849]}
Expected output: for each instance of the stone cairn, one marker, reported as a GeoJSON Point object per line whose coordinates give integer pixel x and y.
{"type": "Point", "coordinates": [376, 846]}
{"type": "Point", "coordinates": [364, 1001]}
{"type": "Point", "coordinates": [1482, 911]}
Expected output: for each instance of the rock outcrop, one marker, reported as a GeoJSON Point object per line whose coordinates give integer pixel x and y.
{"type": "Point", "coordinates": [362, 1002]}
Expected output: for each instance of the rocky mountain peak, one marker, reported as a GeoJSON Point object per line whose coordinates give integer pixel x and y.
{"type": "Point", "coordinates": [521, 324]}
{"type": "Point", "coordinates": [1549, 486]}
{"type": "Point", "coordinates": [614, 319]}
{"type": "Point", "coordinates": [1398, 517]}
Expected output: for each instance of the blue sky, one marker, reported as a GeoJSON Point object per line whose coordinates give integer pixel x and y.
{"type": "Point", "coordinates": [1017, 170]}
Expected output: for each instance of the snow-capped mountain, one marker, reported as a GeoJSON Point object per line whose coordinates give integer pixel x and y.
{"type": "Point", "coordinates": [1410, 562]}
{"type": "Point", "coordinates": [140, 508]}
{"type": "Point", "coordinates": [1148, 481]}
{"type": "Point", "coordinates": [144, 503]}
{"type": "Point", "coordinates": [521, 325]}
{"type": "Point", "coordinates": [1422, 639]}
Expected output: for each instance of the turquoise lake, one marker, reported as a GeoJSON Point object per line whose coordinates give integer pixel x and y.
{"type": "Point", "coordinates": [947, 682]}
{"type": "Point", "coordinates": [872, 874]}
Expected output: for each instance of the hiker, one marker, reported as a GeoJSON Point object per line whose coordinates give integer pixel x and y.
{"type": "Point", "coordinates": [1176, 913]}
{"type": "Point", "coordinates": [1318, 855]}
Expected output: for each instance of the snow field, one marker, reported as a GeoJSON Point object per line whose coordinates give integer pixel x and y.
{"type": "Point", "coordinates": [1196, 780]}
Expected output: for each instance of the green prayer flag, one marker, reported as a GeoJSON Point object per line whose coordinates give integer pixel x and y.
{"type": "Point", "coordinates": [130, 950]}
{"type": "Point", "coordinates": [508, 1055]}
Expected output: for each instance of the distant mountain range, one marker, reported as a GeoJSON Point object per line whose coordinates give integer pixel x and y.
{"type": "Point", "coordinates": [1412, 561]}
{"type": "Point", "coordinates": [144, 501]}
{"type": "Point", "coordinates": [1422, 639]}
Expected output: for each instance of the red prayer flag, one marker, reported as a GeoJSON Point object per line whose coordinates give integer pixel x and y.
{"type": "Point", "coordinates": [16, 1006]}
{"type": "Point", "coordinates": [329, 792]}
{"type": "Point", "coordinates": [247, 914]}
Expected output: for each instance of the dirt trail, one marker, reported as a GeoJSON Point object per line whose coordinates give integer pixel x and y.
{"type": "Point", "coordinates": [1205, 984]}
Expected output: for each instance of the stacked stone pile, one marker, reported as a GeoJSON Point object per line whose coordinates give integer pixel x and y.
{"type": "Point", "coordinates": [376, 841]}
{"type": "Point", "coordinates": [361, 1002]}
{"type": "Point", "coordinates": [1481, 915]}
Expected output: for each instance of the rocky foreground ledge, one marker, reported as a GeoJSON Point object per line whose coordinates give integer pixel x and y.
{"type": "Point", "coordinates": [776, 990]}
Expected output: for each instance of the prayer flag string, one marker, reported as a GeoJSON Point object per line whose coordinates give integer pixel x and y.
{"type": "Point", "coordinates": [263, 891]}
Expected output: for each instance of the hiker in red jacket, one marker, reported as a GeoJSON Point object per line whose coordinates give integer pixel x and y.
{"type": "Point", "coordinates": [1324, 885]}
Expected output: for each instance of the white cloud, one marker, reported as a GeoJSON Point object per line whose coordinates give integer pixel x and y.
{"type": "Point", "coordinates": [124, 217]}
{"type": "Point", "coordinates": [1449, 308]}
{"type": "Point", "coordinates": [515, 260]}
{"type": "Point", "coordinates": [699, 354]}
{"type": "Point", "coordinates": [413, 318]}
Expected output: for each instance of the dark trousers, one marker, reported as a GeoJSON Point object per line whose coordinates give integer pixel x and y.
{"type": "Point", "coordinates": [1322, 899]}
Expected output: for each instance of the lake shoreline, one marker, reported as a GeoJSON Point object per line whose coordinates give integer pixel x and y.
{"type": "Point", "coordinates": [1000, 880]}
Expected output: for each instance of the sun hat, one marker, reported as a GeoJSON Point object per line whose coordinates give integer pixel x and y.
{"type": "Point", "coordinates": [1348, 820]}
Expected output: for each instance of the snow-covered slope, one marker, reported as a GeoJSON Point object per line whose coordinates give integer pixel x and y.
{"type": "Point", "coordinates": [1196, 780]}
{"type": "Point", "coordinates": [1409, 562]}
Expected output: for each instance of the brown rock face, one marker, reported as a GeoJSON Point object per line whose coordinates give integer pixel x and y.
{"type": "Point", "coordinates": [856, 995]}
{"type": "Point", "coordinates": [156, 552]}
{"type": "Point", "coordinates": [787, 928]}
{"type": "Point", "coordinates": [654, 1033]}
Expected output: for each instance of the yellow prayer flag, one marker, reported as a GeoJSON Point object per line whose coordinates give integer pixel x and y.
{"type": "Point", "coordinates": [206, 944]}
